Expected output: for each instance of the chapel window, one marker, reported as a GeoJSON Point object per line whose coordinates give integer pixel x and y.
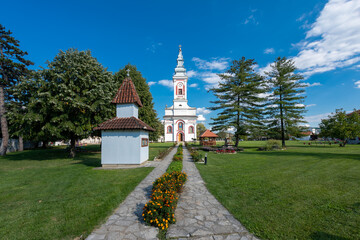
{"type": "Point", "coordinates": [191, 129]}
{"type": "Point", "coordinates": [181, 126]}
{"type": "Point", "coordinates": [169, 129]}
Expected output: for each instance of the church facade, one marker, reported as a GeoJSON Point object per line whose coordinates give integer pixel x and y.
{"type": "Point", "coordinates": [180, 119]}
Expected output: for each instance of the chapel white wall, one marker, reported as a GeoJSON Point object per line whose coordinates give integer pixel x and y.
{"type": "Point", "coordinates": [127, 110]}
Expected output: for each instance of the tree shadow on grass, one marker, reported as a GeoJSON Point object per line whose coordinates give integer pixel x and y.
{"type": "Point", "coordinates": [88, 159]}
{"type": "Point", "coordinates": [38, 155]}
{"type": "Point", "coordinates": [326, 236]}
{"type": "Point", "coordinates": [325, 156]}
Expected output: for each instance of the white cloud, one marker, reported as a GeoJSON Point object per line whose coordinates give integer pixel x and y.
{"type": "Point", "coordinates": [201, 118]}
{"type": "Point", "coordinates": [203, 111]}
{"type": "Point", "coordinates": [215, 64]}
{"type": "Point", "coordinates": [212, 79]}
{"type": "Point", "coordinates": [316, 119]}
{"type": "Point", "coordinates": [357, 84]}
{"type": "Point", "coordinates": [154, 47]}
{"type": "Point", "coordinates": [333, 40]}
{"type": "Point", "coordinates": [299, 105]}
{"type": "Point", "coordinates": [251, 19]}
{"type": "Point", "coordinates": [311, 105]}
{"type": "Point", "coordinates": [151, 83]}
{"type": "Point", "coordinates": [167, 83]}
{"type": "Point", "coordinates": [312, 84]}
{"type": "Point", "coordinates": [269, 51]}
{"type": "Point", "coordinates": [191, 73]}
{"type": "Point", "coordinates": [193, 85]}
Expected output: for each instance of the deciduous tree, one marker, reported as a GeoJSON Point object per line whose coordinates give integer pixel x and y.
{"type": "Point", "coordinates": [341, 126]}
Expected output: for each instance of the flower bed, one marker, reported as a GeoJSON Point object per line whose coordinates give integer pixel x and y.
{"type": "Point", "coordinates": [160, 210]}
{"type": "Point", "coordinates": [229, 151]}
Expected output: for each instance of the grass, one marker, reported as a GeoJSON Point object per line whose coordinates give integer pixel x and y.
{"type": "Point", "coordinates": [304, 192]}
{"type": "Point", "coordinates": [156, 148]}
{"type": "Point", "coordinates": [45, 195]}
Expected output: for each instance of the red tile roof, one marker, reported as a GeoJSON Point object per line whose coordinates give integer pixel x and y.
{"type": "Point", "coordinates": [357, 111]}
{"type": "Point", "coordinates": [209, 133]}
{"type": "Point", "coordinates": [127, 93]}
{"type": "Point", "coordinates": [124, 124]}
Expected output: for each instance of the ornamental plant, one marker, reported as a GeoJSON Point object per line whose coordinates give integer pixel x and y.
{"type": "Point", "coordinates": [160, 210]}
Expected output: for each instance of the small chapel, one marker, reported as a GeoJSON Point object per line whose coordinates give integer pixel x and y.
{"type": "Point", "coordinates": [180, 119]}
{"type": "Point", "coordinates": [125, 138]}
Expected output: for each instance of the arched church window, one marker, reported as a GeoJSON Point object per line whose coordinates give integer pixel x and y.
{"type": "Point", "coordinates": [181, 126]}
{"type": "Point", "coordinates": [191, 129]}
{"type": "Point", "coordinates": [169, 129]}
{"type": "Point", "coordinates": [180, 92]}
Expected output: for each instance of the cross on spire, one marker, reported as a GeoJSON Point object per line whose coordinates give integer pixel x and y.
{"type": "Point", "coordinates": [128, 72]}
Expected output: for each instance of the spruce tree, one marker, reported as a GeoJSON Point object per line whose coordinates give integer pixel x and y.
{"type": "Point", "coordinates": [13, 66]}
{"type": "Point", "coordinates": [240, 99]}
{"type": "Point", "coordinates": [285, 107]}
{"type": "Point", "coordinates": [147, 113]}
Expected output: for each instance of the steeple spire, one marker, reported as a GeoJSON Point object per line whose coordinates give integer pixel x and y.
{"type": "Point", "coordinates": [180, 70]}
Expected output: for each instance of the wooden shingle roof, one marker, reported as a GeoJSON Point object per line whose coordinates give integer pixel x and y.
{"type": "Point", "coordinates": [127, 93]}
{"type": "Point", "coordinates": [130, 123]}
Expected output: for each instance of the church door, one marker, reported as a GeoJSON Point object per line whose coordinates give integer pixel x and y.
{"type": "Point", "coordinates": [181, 137]}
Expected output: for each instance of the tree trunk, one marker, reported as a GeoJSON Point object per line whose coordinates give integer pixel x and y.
{"type": "Point", "coordinates": [4, 124]}
{"type": "Point", "coordinates": [72, 147]}
{"type": "Point", "coordinates": [21, 144]}
{"type": "Point", "coordinates": [282, 123]}
{"type": "Point", "coordinates": [45, 144]}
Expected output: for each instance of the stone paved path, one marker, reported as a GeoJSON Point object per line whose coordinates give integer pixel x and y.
{"type": "Point", "coordinates": [126, 222]}
{"type": "Point", "coordinates": [199, 215]}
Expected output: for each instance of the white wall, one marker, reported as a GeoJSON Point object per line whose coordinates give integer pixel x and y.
{"type": "Point", "coordinates": [123, 147]}
{"type": "Point", "coordinates": [127, 110]}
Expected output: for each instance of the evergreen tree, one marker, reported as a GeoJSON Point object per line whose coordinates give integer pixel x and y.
{"type": "Point", "coordinates": [239, 99]}
{"type": "Point", "coordinates": [77, 96]}
{"type": "Point", "coordinates": [285, 106]}
{"type": "Point", "coordinates": [13, 66]}
{"type": "Point", "coordinates": [147, 113]}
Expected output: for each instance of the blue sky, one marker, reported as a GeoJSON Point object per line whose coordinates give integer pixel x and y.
{"type": "Point", "coordinates": [322, 37]}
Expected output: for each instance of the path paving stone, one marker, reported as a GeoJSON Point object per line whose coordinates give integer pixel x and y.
{"type": "Point", "coordinates": [126, 222]}
{"type": "Point", "coordinates": [199, 215]}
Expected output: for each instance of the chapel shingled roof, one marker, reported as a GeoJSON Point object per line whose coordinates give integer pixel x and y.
{"type": "Point", "coordinates": [127, 93]}
{"type": "Point", "coordinates": [124, 124]}
{"type": "Point", "coordinates": [209, 133]}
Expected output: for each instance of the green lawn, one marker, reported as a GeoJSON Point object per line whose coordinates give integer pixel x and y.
{"type": "Point", "coordinates": [155, 148]}
{"type": "Point", "coordinates": [44, 195]}
{"type": "Point", "coordinates": [304, 192]}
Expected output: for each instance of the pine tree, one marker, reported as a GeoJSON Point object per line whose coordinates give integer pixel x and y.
{"type": "Point", "coordinates": [13, 66]}
{"type": "Point", "coordinates": [285, 107]}
{"type": "Point", "coordinates": [147, 113]}
{"type": "Point", "coordinates": [77, 95]}
{"type": "Point", "coordinates": [239, 99]}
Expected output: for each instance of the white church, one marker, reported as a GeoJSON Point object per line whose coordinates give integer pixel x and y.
{"type": "Point", "coordinates": [180, 119]}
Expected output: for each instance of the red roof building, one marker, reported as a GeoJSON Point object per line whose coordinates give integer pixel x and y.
{"type": "Point", "coordinates": [208, 138]}
{"type": "Point", "coordinates": [125, 138]}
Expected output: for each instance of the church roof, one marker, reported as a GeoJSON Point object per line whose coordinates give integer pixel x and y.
{"type": "Point", "coordinates": [130, 123]}
{"type": "Point", "coordinates": [209, 133]}
{"type": "Point", "coordinates": [127, 93]}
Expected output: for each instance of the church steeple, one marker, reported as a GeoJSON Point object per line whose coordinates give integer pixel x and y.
{"type": "Point", "coordinates": [180, 70]}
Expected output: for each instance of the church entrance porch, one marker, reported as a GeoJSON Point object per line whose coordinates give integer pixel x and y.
{"type": "Point", "coordinates": [180, 137]}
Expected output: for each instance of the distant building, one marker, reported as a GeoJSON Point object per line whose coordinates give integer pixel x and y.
{"type": "Point", "coordinates": [125, 138]}
{"type": "Point", "coordinates": [180, 119]}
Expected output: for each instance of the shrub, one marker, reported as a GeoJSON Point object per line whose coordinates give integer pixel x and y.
{"type": "Point", "coordinates": [196, 156]}
{"type": "Point", "coordinates": [272, 144]}
{"type": "Point", "coordinates": [160, 210]}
